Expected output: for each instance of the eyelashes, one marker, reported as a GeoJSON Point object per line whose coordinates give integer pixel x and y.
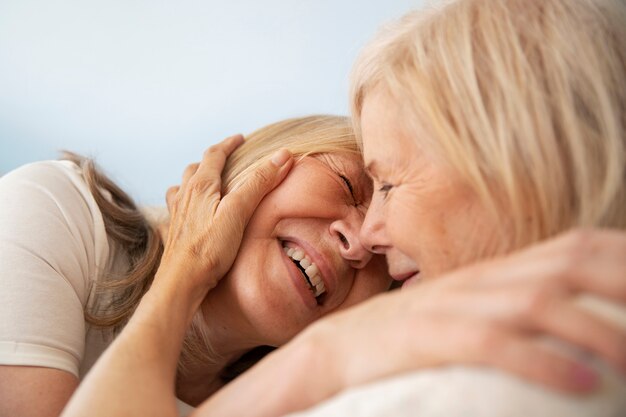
{"type": "Point", "coordinates": [349, 185]}
{"type": "Point", "coordinates": [384, 189]}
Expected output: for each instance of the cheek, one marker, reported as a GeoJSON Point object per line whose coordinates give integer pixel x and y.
{"type": "Point", "coordinates": [410, 220]}
{"type": "Point", "coordinates": [432, 227]}
{"type": "Point", "coordinates": [262, 292]}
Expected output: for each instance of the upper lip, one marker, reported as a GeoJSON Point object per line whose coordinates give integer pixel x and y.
{"type": "Point", "coordinates": [327, 273]}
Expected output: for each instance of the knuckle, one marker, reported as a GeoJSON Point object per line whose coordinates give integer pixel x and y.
{"type": "Point", "coordinates": [488, 339]}
{"type": "Point", "coordinates": [191, 168]}
{"type": "Point", "coordinates": [171, 191]}
{"type": "Point", "coordinates": [203, 186]}
{"type": "Point", "coordinates": [577, 247]}
{"type": "Point", "coordinates": [170, 194]}
{"type": "Point", "coordinates": [261, 176]}
{"type": "Point", "coordinates": [235, 199]}
{"type": "Point", "coordinates": [535, 304]}
{"type": "Point", "coordinates": [213, 150]}
{"type": "Point", "coordinates": [579, 242]}
{"type": "Point", "coordinates": [197, 186]}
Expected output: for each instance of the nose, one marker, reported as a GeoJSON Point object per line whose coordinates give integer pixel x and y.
{"type": "Point", "coordinates": [346, 233]}
{"type": "Point", "coordinates": [373, 234]}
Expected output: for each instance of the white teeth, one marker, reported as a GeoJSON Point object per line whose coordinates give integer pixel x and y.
{"type": "Point", "coordinates": [315, 280]}
{"type": "Point", "coordinates": [311, 270]}
{"type": "Point", "coordinates": [319, 289]}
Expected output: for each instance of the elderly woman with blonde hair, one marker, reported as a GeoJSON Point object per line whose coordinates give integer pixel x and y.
{"type": "Point", "coordinates": [493, 131]}
{"type": "Point", "coordinates": [489, 126]}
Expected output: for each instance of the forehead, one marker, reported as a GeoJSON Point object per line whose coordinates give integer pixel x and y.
{"type": "Point", "coordinates": [384, 142]}
{"type": "Point", "coordinates": [350, 165]}
{"type": "Point", "coordinates": [341, 161]}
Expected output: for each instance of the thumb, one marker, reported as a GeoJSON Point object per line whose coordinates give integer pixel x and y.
{"type": "Point", "coordinates": [245, 198]}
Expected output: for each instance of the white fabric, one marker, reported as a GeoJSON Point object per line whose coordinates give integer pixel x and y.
{"type": "Point", "coordinates": [480, 392]}
{"type": "Point", "coordinates": [469, 392]}
{"type": "Point", "coordinates": [53, 247]}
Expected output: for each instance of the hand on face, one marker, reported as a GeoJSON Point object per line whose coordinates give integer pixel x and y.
{"type": "Point", "coordinates": [494, 313]}
{"type": "Point", "coordinates": [205, 229]}
{"type": "Point", "coordinates": [301, 257]}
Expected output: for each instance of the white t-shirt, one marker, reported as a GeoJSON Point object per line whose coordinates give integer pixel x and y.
{"type": "Point", "coordinates": [53, 248]}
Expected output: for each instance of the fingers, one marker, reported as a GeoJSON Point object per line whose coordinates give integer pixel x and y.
{"type": "Point", "coordinates": [545, 309]}
{"type": "Point", "coordinates": [206, 174]}
{"type": "Point", "coordinates": [581, 261]}
{"type": "Point", "coordinates": [571, 323]}
{"type": "Point", "coordinates": [529, 360]}
{"type": "Point", "coordinates": [189, 172]}
{"type": "Point", "coordinates": [246, 198]}
{"type": "Point", "coordinates": [209, 172]}
{"type": "Point", "coordinates": [470, 341]}
{"type": "Point", "coordinates": [170, 196]}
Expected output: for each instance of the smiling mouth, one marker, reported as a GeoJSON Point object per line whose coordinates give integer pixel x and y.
{"type": "Point", "coordinates": [310, 271]}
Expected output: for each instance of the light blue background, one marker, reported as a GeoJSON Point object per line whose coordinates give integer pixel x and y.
{"type": "Point", "coordinates": [145, 86]}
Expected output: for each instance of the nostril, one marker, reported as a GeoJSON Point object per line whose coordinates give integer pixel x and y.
{"type": "Point", "coordinates": [344, 241]}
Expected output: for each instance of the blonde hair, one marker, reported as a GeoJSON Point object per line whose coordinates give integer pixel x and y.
{"type": "Point", "coordinates": [302, 136]}
{"type": "Point", "coordinates": [128, 226]}
{"type": "Point", "coordinates": [526, 99]}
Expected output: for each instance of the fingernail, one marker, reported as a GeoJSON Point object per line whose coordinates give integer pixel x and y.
{"type": "Point", "coordinates": [281, 157]}
{"type": "Point", "coordinates": [585, 377]}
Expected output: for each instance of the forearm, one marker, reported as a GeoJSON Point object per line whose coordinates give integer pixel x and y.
{"type": "Point", "coordinates": [136, 375]}
{"type": "Point", "coordinates": [294, 377]}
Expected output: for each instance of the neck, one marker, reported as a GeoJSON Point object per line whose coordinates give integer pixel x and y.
{"type": "Point", "coordinates": [214, 340]}
{"type": "Point", "coordinates": [194, 388]}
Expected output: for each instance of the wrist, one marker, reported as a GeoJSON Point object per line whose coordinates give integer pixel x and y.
{"type": "Point", "coordinates": [178, 282]}
{"type": "Point", "coordinates": [170, 300]}
{"type": "Point", "coordinates": [324, 371]}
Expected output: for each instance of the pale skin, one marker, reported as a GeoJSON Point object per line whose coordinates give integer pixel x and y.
{"type": "Point", "coordinates": [470, 307]}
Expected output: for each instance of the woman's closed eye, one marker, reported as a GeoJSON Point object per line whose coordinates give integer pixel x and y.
{"type": "Point", "coordinates": [350, 188]}
{"type": "Point", "coordinates": [384, 189]}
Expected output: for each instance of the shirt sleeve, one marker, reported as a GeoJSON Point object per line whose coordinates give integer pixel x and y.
{"type": "Point", "coordinates": [52, 247]}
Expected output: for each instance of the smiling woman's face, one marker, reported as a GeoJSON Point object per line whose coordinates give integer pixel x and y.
{"type": "Point", "coordinates": [423, 217]}
{"type": "Point", "coordinates": [310, 222]}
